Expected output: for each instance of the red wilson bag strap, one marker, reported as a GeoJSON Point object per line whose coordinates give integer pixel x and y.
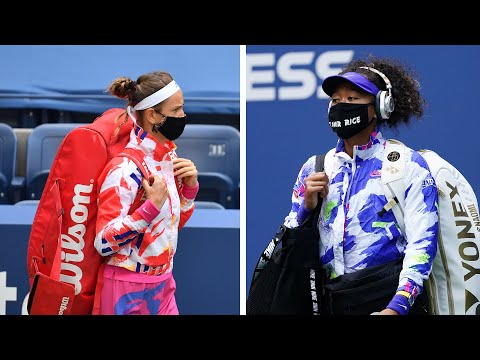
{"type": "Point", "coordinates": [57, 262]}
{"type": "Point", "coordinates": [137, 159]}
{"type": "Point", "coordinates": [56, 266]}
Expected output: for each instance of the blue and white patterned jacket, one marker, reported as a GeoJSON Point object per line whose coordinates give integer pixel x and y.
{"type": "Point", "coordinates": [353, 235]}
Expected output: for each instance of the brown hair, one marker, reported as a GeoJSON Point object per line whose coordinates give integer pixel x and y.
{"type": "Point", "coordinates": [136, 91]}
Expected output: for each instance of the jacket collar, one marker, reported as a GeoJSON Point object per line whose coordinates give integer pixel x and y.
{"type": "Point", "coordinates": [363, 152]}
{"type": "Point", "coordinates": [141, 139]}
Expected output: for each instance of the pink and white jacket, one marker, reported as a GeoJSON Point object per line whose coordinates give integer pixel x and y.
{"type": "Point", "coordinates": [132, 232]}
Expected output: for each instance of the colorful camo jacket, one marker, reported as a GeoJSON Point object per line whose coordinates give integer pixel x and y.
{"type": "Point", "coordinates": [353, 235]}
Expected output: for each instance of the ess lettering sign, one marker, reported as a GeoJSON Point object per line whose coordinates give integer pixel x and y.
{"type": "Point", "coordinates": [291, 76]}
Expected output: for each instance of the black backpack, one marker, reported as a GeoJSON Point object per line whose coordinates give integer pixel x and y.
{"type": "Point", "coordinates": [288, 279]}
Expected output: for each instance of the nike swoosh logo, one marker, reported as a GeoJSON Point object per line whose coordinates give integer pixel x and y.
{"type": "Point", "coordinates": [146, 211]}
{"type": "Point", "coordinates": [403, 306]}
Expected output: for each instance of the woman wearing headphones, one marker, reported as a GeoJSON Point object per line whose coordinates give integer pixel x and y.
{"type": "Point", "coordinates": [370, 267]}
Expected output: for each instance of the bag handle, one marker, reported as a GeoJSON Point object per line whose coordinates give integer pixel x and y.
{"type": "Point", "coordinates": [57, 262]}
{"type": "Point", "coordinates": [266, 255]}
{"type": "Point", "coordinates": [319, 163]}
{"type": "Point", "coordinates": [137, 159]}
{"type": "Point", "coordinates": [319, 167]}
{"type": "Point", "coordinates": [312, 218]}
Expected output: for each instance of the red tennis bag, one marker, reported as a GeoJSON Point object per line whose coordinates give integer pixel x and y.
{"type": "Point", "coordinates": [61, 256]}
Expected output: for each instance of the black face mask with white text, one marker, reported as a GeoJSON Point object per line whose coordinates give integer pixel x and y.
{"type": "Point", "coordinates": [347, 119]}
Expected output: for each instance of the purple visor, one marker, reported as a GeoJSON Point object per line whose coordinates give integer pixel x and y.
{"type": "Point", "coordinates": [330, 83]}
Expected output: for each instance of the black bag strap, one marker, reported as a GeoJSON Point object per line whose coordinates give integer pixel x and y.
{"type": "Point", "coordinates": [320, 163]}
{"type": "Point", "coordinates": [266, 255]}
{"type": "Point", "coordinates": [313, 217]}
{"type": "Point", "coordinates": [319, 167]}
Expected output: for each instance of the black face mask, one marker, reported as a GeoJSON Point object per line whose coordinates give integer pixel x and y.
{"type": "Point", "coordinates": [347, 119]}
{"type": "Point", "coordinates": [172, 127]}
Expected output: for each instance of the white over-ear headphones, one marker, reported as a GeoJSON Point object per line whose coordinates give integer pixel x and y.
{"type": "Point", "coordinates": [384, 103]}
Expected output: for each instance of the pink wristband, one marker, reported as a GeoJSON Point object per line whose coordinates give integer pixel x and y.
{"type": "Point", "coordinates": [148, 211]}
{"type": "Point", "coordinates": [189, 192]}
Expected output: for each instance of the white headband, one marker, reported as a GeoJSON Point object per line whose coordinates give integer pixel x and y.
{"type": "Point", "coordinates": [158, 97]}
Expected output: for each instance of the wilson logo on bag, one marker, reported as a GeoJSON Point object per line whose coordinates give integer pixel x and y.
{"type": "Point", "coordinates": [61, 240]}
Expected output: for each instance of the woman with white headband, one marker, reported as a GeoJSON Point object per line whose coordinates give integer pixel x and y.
{"type": "Point", "coordinates": [138, 234]}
